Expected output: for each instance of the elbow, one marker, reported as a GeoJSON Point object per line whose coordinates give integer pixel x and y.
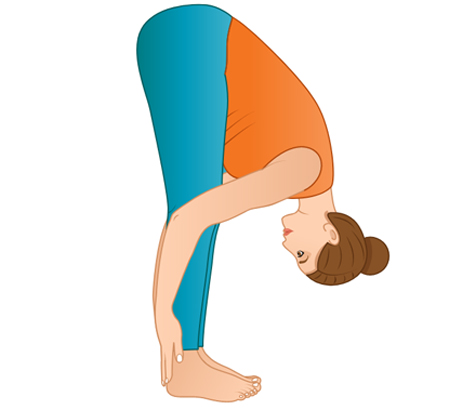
{"type": "Point", "coordinates": [182, 220]}
{"type": "Point", "coordinates": [176, 218]}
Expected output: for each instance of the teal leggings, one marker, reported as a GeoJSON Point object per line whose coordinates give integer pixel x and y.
{"type": "Point", "coordinates": [181, 54]}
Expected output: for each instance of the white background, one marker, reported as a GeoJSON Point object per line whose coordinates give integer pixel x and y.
{"type": "Point", "coordinates": [83, 203]}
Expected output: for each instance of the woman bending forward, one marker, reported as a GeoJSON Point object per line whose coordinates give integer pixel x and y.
{"type": "Point", "coordinates": [236, 130]}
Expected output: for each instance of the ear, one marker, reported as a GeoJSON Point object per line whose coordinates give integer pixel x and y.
{"type": "Point", "coordinates": [334, 236]}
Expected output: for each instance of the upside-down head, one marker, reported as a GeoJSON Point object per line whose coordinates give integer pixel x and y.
{"type": "Point", "coordinates": [331, 248]}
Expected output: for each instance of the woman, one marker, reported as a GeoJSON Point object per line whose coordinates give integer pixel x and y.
{"type": "Point", "coordinates": [236, 130]}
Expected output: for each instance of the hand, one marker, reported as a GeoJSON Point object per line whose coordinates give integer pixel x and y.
{"type": "Point", "coordinates": [170, 338]}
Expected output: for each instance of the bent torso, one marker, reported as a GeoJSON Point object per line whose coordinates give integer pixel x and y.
{"type": "Point", "coordinates": [270, 112]}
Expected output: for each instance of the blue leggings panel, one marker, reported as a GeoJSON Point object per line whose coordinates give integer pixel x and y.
{"type": "Point", "coordinates": [181, 53]}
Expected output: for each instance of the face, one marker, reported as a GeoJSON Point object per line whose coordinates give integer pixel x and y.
{"type": "Point", "coordinates": [305, 236]}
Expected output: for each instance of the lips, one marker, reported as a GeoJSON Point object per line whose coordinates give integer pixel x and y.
{"type": "Point", "coordinates": [287, 231]}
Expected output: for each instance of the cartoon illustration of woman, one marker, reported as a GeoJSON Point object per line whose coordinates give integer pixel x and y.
{"type": "Point", "coordinates": [236, 130]}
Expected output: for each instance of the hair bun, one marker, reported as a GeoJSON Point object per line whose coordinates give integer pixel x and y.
{"type": "Point", "coordinates": [377, 256]}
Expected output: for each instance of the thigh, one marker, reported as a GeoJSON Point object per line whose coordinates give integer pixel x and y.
{"type": "Point", "coordinates": [182, 61]}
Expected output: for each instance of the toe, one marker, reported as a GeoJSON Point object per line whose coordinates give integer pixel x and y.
{"type": "Point", "coordinates": [249, 391]}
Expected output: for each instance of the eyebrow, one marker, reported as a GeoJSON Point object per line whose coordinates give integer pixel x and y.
{"type": "Point", "coordinates": [305, 260]}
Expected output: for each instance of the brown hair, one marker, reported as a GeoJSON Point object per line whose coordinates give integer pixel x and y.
{"type": "Point", "coordinates": [354, 254]}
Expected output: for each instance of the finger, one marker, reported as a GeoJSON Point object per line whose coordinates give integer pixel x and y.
{"type": "Point", "coordinates": [166, 360]}
{"type": "Point", "coordinates": [179, 352]}
{"type": "Point", "coordinates": [163, 375]}
{"type": "Point", "coordinates": [168, 365]}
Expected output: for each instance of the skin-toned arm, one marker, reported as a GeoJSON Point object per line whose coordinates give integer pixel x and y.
{"type": "Point", "coordinates": [156, 268]}
{"type": "Point", "coordinates": [287, 175]}
{"type": "Point", "coordinates": [227, 178]}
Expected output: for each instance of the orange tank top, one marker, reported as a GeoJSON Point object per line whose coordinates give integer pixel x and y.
{"type": "Point", "coordinates": [269, 111]}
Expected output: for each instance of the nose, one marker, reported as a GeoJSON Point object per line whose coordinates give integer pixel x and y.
{"type": "Point", "coordinates": [285, 219]}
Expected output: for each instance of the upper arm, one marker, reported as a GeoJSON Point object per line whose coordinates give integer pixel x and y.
{"type": "Point", "coordinates": [287, 175]}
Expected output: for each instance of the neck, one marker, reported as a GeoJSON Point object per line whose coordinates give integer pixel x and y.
{"type": "Point", "coordinates": [322, 203]}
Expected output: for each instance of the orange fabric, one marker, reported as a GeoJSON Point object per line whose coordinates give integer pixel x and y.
{"type": "Point", "coordinates": [269, 111]}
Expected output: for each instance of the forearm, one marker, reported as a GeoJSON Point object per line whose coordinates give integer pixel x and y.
{"type": "Point", "coordinates": [158, 259]}
{"type": "Point", "coordinates": [181, 237]}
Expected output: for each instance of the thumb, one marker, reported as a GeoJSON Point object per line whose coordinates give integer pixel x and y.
{"type": "Point", "coordinates": [179, 352]}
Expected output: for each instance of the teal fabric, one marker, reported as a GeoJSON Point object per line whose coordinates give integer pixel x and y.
{"type": "Point", "coordinates": [181, 53]}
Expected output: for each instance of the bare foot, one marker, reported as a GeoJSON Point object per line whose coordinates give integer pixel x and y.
{"type": "Point", "coordinates": [251, 378]}
{"type": "Point", "coordinates": [194, 378]}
